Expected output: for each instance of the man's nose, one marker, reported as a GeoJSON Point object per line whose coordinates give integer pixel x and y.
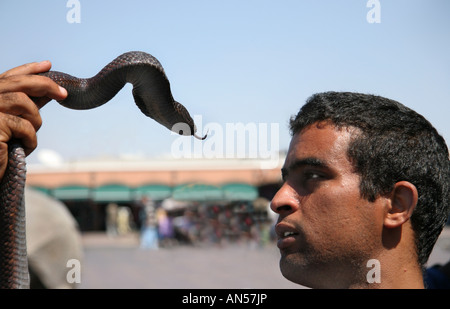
{"type": "Point", "coordinates": [284, 201]}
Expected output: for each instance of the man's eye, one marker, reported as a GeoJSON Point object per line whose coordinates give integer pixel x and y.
{"type": "Point", "coordinates": [310, 181]}
{"type": "Point", "coordinates": [312, 176]}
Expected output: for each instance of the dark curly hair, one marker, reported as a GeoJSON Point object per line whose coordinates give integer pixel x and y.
{"type": "Point", "coordinates": [394, 143]}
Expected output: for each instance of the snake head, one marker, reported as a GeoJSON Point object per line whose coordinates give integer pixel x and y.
{"type": "Point", "coordinates": [200, 137]}
{"type": "Point", "coordinates": [187, 127]}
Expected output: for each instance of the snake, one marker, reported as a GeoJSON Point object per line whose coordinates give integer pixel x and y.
{"type": "Point", "coordinates": [151, 93]}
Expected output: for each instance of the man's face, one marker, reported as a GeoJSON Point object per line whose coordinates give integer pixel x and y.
{"type": "Point", "coordinates": [326, 231]}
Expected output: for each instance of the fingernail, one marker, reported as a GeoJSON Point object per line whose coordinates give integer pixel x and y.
{"type": "Point", "coordinates": [63, 91]}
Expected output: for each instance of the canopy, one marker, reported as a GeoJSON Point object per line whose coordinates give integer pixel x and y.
{"type": "Point", "coordinates": [154, 191]}
{"type": "Point", "coordinates": [197, 192]}
{"type": "Point", "coordinates": [112, 193]}
{"type": "Point", "coordinates": [71, 192]}
{"type": "Point", "coordinates": [158, 192]}
{"type": "Point", "coordinates": [239, 192]}
{"type": "Point", "coordinates": [44, 190]}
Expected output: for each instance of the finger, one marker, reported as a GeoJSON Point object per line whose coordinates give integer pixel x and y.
{"type": "Point", "coordinates": [28, 68]}
{"type": "Point", "coordinates": [33, 85]}
{"type": "Point", "coordinates": [3, 158]}
{"type": "Point", "coordinates": [16, 127]}
{"type": "Point", "coordinates": [40, 102]}
{"type": "Point", "coordinates": [19, 104]}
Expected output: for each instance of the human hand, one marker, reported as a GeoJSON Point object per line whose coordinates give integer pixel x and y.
{"type": "Point", "coordinates": [19, 114]}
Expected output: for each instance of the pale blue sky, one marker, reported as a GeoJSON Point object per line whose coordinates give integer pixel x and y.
{"type": "Point", "coordinates": [230, 61]}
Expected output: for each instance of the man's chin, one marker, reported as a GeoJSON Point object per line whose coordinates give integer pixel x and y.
{"type": "Point", "coordinates": [292, 267]}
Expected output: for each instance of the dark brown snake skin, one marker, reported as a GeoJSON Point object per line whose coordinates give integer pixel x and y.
{"type": "Point", "coordinates": [151, 92]}
{"type": "Point", "coordinates": [13, 249]}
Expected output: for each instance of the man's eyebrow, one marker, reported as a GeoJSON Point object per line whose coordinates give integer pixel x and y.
{"type": "Point", "coordinates": [301, 163]}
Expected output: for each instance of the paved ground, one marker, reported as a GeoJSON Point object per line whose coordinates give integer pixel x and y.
{"type": "Point", "coordinates": [120, 263]}
{"type": "Point", "coordinates": [113, 263]}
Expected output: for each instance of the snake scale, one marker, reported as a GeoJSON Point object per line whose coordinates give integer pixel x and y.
{"type": "Point", "coordinates": [152, 94]}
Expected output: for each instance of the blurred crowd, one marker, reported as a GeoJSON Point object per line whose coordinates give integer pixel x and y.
{"type": "Point", "coordinates": [196, 224]}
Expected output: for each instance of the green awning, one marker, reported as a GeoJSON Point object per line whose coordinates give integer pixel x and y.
{"type": "Point", "coordinates": [197, 192]}
{"type": "Point", "coordinates": [72, 192]}
{"type": "Point", "coordinates": [239, 192]}
{"type": "Point", "coordinates": [157, 192]}
{"type": "Point", "coordinates": [112, 193]}
{"type": "Point", "coordinates": [154, 191]}
{"type": "Point", "coordinates": [44, 190]}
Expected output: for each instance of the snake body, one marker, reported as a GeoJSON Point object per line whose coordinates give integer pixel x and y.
{"type": "Point", "coordinates": [13, 248]}
{"type": "Point", "coordinates": [152, 94]}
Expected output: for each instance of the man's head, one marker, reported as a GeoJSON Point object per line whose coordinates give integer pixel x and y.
{"type": "Point", "coordinates": [358, 168]}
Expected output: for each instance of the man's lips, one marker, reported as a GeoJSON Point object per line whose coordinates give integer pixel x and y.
{"type": "Point", "coordinates": [286, 235]}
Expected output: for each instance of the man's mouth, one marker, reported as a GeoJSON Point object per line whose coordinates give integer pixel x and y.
{"type": "Point", "coordinates": [286, 235]}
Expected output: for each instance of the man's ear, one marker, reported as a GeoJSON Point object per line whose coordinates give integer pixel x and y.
{"type": "Point", "coordinates": [403, 200]}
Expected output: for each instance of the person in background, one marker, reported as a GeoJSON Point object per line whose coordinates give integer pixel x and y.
{"type": "Point", "coordinates": [165, 228]}
{"type": "Point", "coordinates": [149, 225]}
{"type": "Point", "coordinates": [112, 214]}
